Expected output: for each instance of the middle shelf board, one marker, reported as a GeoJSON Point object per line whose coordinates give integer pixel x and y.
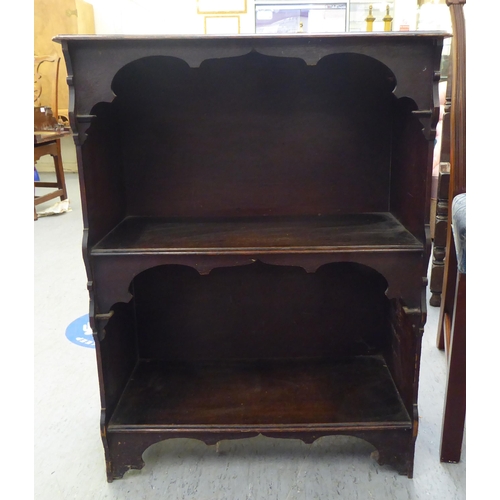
{"type": "Point", "coordinates": [333, 233]}
{"type": "Point", "coordinates": [355, 392]}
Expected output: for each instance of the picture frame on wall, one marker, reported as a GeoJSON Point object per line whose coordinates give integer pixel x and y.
{"type": "Point", "coordinates": [292, 17]}
{"type": "Point", "coordinates": [221, 6]}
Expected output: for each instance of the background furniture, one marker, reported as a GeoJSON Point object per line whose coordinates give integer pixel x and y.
{"type": "Point", "coordinates": [48, 130]}
{"type": "Point", "coordinates": [52, 17]}
{"type": "Point", "coordinates": [256, 234]}
{"type": "Point", "coordinates": [442, 202]}
{"type": "Point", "coordinates": [451, 326]}
{"type": "Point", "coordinates": [440, 234]}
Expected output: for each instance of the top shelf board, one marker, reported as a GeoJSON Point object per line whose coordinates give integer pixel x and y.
{"type": "Point", "coordinates": [390, 34]}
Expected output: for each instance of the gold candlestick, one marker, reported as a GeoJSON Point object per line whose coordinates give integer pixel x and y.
{"type": "Point", "coordinates": [387, 20]}
{"type": "Point", "coordinates": [369, 20]}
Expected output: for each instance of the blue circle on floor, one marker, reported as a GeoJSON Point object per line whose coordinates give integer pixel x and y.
{"type": "Point", "coordinates": [80, 333]}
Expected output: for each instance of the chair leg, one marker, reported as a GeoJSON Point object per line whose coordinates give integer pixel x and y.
{"type": "Point", "coordinates": [34, 193]}
{"type": "Point", "coordinates": [454, 408]}
{"type": "Point", "coordinates": [448, 294]}
{"type": "Point", "coordinates": [58, 164]}
{"type": "Point", "coordinates": [440, 335]}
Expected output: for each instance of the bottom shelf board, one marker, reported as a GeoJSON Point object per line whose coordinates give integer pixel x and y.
{"type": "Point", "coordinates": [263, 395]}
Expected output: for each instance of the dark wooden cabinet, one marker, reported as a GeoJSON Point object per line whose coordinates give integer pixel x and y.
{"type": "Point", "coordinates": [256, 214]}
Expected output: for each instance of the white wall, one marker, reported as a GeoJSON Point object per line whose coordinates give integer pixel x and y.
{"type": "Point", "coordinates": [181, 17]}
{"type": "Point", "coordinates": [156, 17]}
{"type": "Point", "coordinates": [405, 13]}
{"type": "Point", "coordinates": [144, 16]}
{"type": "Point", "coordinates": [434, 16]}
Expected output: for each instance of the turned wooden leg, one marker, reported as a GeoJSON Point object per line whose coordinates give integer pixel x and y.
{"type": "Point", "coordinates": [437, 274]}
{"type": "Point", "coordinates": [438, 255]}
{"type": "Point", "coordinates": [440, 232]}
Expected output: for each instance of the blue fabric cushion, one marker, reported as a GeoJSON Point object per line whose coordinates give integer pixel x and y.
{"type": "Point", "coordinates": [458, 225]}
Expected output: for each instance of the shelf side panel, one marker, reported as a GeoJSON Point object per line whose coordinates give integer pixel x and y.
{"type": "Point", "coordinates": [102, 174]}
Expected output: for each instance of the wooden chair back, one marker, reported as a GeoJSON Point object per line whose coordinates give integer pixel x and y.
{"type": "Point", "coordinates": [457, 122]}
{"type": "Point", "coordinates": [48, 130]}
{"type": "Point", "coordinates": [46, 75]}
{"type": "Point", "coordinates": [452, 318]}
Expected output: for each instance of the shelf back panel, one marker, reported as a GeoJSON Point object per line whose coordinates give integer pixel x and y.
{"type": "Point", "coordinates": [254, 135]}
{"type": "Point", "coordinates": [260, 311]}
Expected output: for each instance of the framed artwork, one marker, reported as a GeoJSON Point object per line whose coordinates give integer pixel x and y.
{"type": "Point", "coordinates": [222, 25]}
{"type": "Point", "coordinates": [324, 17]}
{"type": "Point", "coordinates": [222, 6]}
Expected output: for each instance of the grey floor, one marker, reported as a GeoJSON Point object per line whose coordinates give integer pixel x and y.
{"type": "Point", "coordinates": [69, 458]}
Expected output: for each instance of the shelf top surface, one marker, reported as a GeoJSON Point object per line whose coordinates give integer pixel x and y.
{"type": "Point", "coordinates": [297, 36]}
{"type": "Point", "coordinates": [371, 231]}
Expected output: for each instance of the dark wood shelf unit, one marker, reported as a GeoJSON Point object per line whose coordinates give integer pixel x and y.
{"type": "Point", "coordinates": [256, 234]}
